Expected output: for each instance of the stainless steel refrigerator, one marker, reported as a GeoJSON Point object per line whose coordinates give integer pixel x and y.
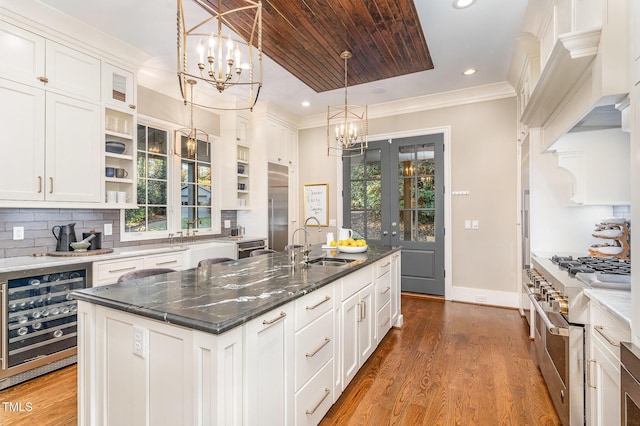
{"type": "Point", "coordinates": [278, 206]}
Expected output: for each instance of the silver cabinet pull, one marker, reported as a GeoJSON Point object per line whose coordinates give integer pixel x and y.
{"type": "Point", "coordinates": [43, 79]}
{"type": "Point", "coordinates": [600, 330]}
{"type": "Point", "coordinates": [326, 299]}
{"type": "Point", "coordinates": [132, 106]}
{"type": "Point", "coordinates": [268, 322]}
{"type": "Point", "coordinates": [360, 312]}
{"type": "Point", "coordinates": [326, 342]}
{"type": "Point", "coordinates": [39, 184]}
{"type": "Point", "coordinates": [364, 310]}
{"type": "Point", "coordinates": [589, 373]}
{"type": "Point", "coordinates": [386, 290]}
{"type": "Point", "coordinates": [51, 182]}
{"type": "Point", "coordinates": [326, 394]}
{"type": "Point", "coordinates": [166, 262]}
{"type": "Point", "coordinates": [113, 271]}
{"type": "Point", "coordinates": [388, 263]}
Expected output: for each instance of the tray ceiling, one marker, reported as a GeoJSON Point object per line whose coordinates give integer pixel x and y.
{"type": "Point", "coordinates": [306, 37]}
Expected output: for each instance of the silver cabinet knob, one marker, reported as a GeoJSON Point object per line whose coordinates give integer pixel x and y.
{"type": "Point", "coordinates": [393, 234]}
{"type": "Point", "coordinates": [384, 233]}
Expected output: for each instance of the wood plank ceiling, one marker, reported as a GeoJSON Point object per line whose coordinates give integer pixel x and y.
{"type": "Point", "coordinates": [306, 38]}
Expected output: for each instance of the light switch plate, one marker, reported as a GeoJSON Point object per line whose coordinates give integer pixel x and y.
{"type": "Point", "coordinates": [108, 229]}
{"type": "Point", "coordinates": [18, 232]}
{"type": "Point", "coordinates": [332, 222]}
{"type": "Point", "coordinates": [475, 224]}
{"type": "Point", "coordinates": [227, 223]}
{"type": "Point", "coordinates": [467, 224]}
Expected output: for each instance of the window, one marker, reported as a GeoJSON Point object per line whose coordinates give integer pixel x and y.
{"type": "Point", "coordinates": [172, 190]}
{"type": "Point", "coordinates": [195, 186]}
{"type": "Point", "coordinates": [152, 182]}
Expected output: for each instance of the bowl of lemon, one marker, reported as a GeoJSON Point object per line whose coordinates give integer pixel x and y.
{"type": "Point", "coordinates": [351, 246]}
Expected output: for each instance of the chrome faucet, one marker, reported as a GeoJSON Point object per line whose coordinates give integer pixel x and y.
{"type": "Point", "coordinates": [305, 248]}
{"type": "Point", "coordinates": [191, 224]}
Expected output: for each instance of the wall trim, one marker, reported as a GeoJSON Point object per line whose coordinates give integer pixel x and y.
{"type": "Point", "coordinates": [481, 296]}
{"type": "Point", "coordinates": [475, 94]}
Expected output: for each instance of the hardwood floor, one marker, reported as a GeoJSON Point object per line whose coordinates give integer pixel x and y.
{"type": "Point", "coordinates": [450, 364]}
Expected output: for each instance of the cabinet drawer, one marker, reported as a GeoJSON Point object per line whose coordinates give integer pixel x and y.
{"type": "Point", "coordinates": [383, 266]}
{"type": "Point", "coordinates": [607, 329]}
{"type": "Point", "coordinates": [313, 305]}
{"type": "Point", "coordinates": [173, 260]}
{"type": "Point", "coordinates": [109, 272]}
{"type": "Point", "coordinates": [313, 348]}
{"type": "Point", "coordinates": [383, 289]}
{"type": "Point", "coordinates": [356, 281]}
{"type": "Point", "coordinates": [384, 321]}
{"type": "Point", "coordinates": [314, 400]}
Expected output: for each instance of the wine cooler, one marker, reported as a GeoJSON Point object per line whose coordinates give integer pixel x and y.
{"type": "Point", "coordinates": [39, 320]}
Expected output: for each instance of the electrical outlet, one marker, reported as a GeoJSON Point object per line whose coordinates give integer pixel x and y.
{"type": "Point", "coordinates": [140, 336]}
{"type": "Point", "coordinates": [475, 224]}
{"type": "Point", "coordinates": [18, 232]}
{"type": "Point", "coordinates": [108, 229]}
{"type": "Point", "coordinates": [467, 224]}
{"type": "Point", "coordinates": [227, 223]}
{"type": "Point", "coordinates": [332, 222]}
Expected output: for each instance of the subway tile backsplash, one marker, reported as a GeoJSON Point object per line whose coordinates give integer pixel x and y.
{"type": "Point", "coordinates": [623, 212]}
{"type": "Point", "coordinates": [37, 224]}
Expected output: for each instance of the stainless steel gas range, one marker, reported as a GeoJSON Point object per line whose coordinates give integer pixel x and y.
{"type": "Point", "coordinates": [558, 315]}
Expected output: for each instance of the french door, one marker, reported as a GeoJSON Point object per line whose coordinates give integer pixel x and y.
{"type": "Point", "coordinates": [394, 195]}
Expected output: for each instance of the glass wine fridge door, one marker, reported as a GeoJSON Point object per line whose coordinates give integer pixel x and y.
{"type": "Point", "coordinates": [40, 318]}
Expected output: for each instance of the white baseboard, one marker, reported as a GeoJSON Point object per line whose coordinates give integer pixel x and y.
{"type": "Point", "coordinates": [484, 297]}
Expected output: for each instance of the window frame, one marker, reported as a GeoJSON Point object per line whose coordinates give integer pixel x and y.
{"type": "Point", "coordinates": [174, 184]}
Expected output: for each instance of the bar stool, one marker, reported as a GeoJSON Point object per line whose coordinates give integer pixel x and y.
{"type": "Point", "coordinates": [144, 273]}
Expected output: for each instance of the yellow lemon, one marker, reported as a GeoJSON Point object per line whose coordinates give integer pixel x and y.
{"type": "Point", "coordinates": [333, 244]}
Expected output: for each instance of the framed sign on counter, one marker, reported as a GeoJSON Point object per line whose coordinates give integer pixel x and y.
{"type": "Point", "coordinates": [316, 203]}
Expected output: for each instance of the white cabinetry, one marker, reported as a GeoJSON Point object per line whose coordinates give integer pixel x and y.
{"type": "Point", "coordinates": [235, 163]}
{"type": "Point", "coordinates": [55, 145]}
{"type": "Point", "coordinates": [118, 87]}
{"type": "Point", "coordinates": [31, 59]}
{"type": "Point", "coordinates": [603, 366]}
{"type": "Point", "coordinates": [315, 346]}
{"type": "Point", "coordinates": [357, 320]}
{"type": "Point", "coordinates": [282, 143]}
{"type": "Point", "coordinates": [155, 384]}
{"type": "Point", "coordinates": [268, 378]}
{"type": "Point", "coordinates": [108, 271]}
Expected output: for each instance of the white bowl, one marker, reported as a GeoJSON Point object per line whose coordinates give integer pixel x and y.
{"type": "Point", "coordinates": [608, 249]}
{"type": "Point", "coordinates": [351, 249]}
{"type": "Point", "coordinates": [608, 233]}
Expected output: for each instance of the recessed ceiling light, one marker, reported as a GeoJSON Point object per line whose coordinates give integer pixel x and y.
{"type": "Point", "coordinates": [306, 103]}
{"type": "Point", "coordinates": [469, 71]}
{"type": "Point", "coordinates": [378, 90]}
{"type": "Point", "coordinates": [461, 4]}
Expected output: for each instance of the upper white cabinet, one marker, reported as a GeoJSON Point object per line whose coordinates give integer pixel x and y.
{"type": "Point", "coordinates": [235, 162]}
{"type": "Point", "coordinates": [31, 59]}
{"type": "Point", "coordinates": [118, 87]}
{"type": "Point", "coordinates": [282, 143]}
{"type": "Point", "coordinates": [55, 146]}
{"type": "Point", "coordinates": [22, 55]}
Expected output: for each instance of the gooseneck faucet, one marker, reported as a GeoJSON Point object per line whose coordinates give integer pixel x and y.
{"type": "Point", "coordinates": [306, 247]}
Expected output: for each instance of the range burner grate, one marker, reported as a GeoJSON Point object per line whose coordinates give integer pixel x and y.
{"type": "Point", "coordinates": [608, 265]}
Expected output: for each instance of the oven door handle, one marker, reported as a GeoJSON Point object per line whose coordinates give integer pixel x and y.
{"type": "Point", "coordinates": [551, 327]}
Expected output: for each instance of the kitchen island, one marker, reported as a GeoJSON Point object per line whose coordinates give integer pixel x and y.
{"type": "Point", "coordinates": [251, 341]}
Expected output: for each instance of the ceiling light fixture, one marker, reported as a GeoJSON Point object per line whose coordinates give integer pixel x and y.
{"type": "Point", "coordinates": [469, 71]}
{"type": "Point", "coordinates": [347, 125]}
{"type": "Point", "coordinates": [205, 54]}
{"type": "Point", "coordinates": [191, 134]}
{"type": "Point", "coordinates": [461, 4]}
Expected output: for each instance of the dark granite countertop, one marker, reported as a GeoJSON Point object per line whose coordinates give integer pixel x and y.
{"type": "Point", "coordinates": [220, 297]}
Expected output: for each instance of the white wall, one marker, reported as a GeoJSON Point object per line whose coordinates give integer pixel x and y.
{"type": "Point", "coordinates": [484, 162]}
{"type": "Point", "coordinates": [558, 225]}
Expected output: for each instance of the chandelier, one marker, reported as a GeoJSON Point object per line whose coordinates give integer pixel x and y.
{"type": "Point", "coordinates": [191, 134]}
{"type": "Point", "coordinates": [347, 125]}
{"type": "Point", "coordinates": [222, 60]}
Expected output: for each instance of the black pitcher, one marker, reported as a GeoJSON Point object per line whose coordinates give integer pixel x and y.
{"type": "Point", "coordinates": [66, 236]}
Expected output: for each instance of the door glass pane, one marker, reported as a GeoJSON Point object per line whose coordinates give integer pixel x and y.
{"type": "Point", "coordinates": [357, 195]}
{"type": "Point", "coordinates": [358, 222]}
{"type": "Point", "coordinates": [374, 224]}
{"type": "Point", "coordinates": [373, 195]}
{"type": "Point", "coordinates": [426, 226]}
{"type": "Point", "coordinates": [416, 192]}
{"type": "Point", "coordinates": [196, 185]}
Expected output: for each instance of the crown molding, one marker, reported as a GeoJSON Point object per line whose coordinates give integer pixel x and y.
{"type": "Point", "coordinates": [423, 103]}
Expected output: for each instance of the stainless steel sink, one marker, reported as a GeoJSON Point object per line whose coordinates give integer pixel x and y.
{"type": "Point", "coordinates": [330, 261]}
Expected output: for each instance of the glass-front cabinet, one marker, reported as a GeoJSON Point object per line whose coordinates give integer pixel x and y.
{"type": "Point", "coordinates": [118, 87]}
